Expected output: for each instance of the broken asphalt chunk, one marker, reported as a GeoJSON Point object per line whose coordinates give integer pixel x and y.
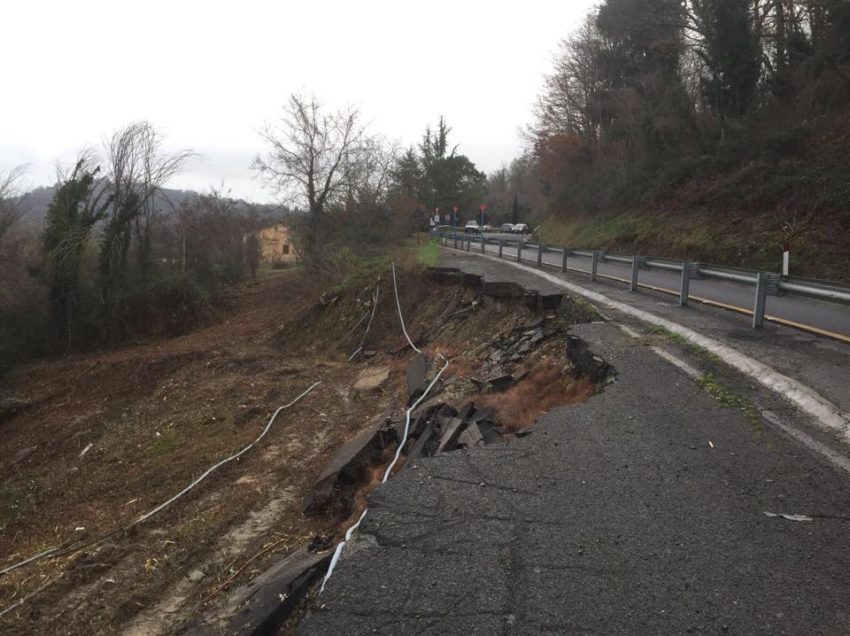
{"type": "Point", "coordinates": [420, 446]}
{"type": "Point", "coordinates": [347, 465]}
{"type": "Point", "coordinates": [416, 382]}
{"type": "Point", "coordinates": [470, 437]}
{"type": "Point", "coordinates": [450, 433]}
{"type": "Point", "coordinates": [500, 383]}
{"type": "Point", "coordinates": [263, 604]}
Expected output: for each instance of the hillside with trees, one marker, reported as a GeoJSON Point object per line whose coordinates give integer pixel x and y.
{"type": "Point", "coordinates": [109, 254]}
{"type": "Point", "coordinates": [708, 129]}
{"type": "Point", "coordinates": [112, 257]}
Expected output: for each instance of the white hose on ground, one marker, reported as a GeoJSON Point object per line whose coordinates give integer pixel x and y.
{"type": "Point", "coordinates": [400, 317]}
{"type": "Point", "coordinates": [341, 545]}
{"type": "Point", "coordinates": [369, 325]}
{"type": "Point", "coordinates": [165, 504]}
{"type": "Point", "coordinates": [56, 550]}
{"type": "Point", "coordinates": [407, 420]}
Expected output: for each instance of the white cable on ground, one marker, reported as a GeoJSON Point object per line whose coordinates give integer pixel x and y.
{"type": "Point", "coordinates": [369, 325]}
{"type": "Point", "coordinates": [56, 550]}
{"type": "Point", "coordinates": [400, 317]}
{"type": "Point", "coordinates": [407, 420]}
{"type": "Point", "coordinates": [341, 545]}
{"type": "Point", "coordinates": [224, 461]}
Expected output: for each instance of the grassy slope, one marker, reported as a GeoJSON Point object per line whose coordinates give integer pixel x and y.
{"type": "Point", "coordinates": [739, 214]}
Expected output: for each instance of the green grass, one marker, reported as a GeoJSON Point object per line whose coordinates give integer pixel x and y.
{"type": "Point", "coordinates": [428, 254]}
{"type": "Point", "coordinates": [743, 239]}
{"type": "Point", "coordinates": [732, 400]}
{"type": "Point", "coordinates": [703, 354]}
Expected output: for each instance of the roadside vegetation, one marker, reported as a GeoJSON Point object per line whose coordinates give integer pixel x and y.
{"type": "Point", "coordinates": [113, 260]}
{"type": "Point", "coordinates": [712, 131]}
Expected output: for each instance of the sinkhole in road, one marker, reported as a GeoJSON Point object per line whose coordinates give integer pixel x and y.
{"type": "Point", "coordinates": [512, 359]}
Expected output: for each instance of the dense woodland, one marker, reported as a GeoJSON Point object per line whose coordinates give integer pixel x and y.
{"type": "Point", "coordinates": [709, 105]}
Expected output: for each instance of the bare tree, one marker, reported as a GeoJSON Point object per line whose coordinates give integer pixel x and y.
{"type": "Point", "coordinates": [315, 159]}
{"type": "Point", "coordinates": [138, 168]}
{"type": "Point", "coordinates": [10, 198]}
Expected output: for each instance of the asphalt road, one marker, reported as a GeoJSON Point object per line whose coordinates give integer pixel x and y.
{"type": "Point", "coordinates": [833, 318]}
{"type": "Point", "coordinates": [638, 512]}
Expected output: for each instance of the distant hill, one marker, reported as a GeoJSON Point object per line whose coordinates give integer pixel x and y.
{"type": "Point", "coordinates": [35, 203]}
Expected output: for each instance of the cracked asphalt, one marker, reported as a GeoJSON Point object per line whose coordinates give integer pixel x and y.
{"type": "Point", "coordinates": [638, 512]}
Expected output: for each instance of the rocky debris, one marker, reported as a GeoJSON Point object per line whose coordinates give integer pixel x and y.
{"type": "Point", "coordinates": [349, 465]}
{"type": "Point", "coordinates": [371, 378]}
{"type": "Point", "coordinates": [419, 446]}
{"type": "Point", "coordinates": [445, 275]}
{"type": "Point", "coordinates": [416, 380]}
{"type": "Point", "coordinates": [585, 362]}
{"type": "Point", "coordinates": [471, 436]}
{"type": "Point", "coordinates": [450, 432]}
{"type": "Point", "coordinates": [509, 292]}
{"type": "Point", "coordinates": [503, 291]}
{"type": "Point", "coordinates": [515, 346]}
{"type": "Point", "coordinates": [260, 606]}
{"type": "Point", "coordinates": [445, 429]}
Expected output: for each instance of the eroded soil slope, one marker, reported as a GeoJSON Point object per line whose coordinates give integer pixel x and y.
{"type": "Point", "coordinates": [105, 437]}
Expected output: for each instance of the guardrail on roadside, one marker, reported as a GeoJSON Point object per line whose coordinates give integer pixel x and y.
{"type": "Point", "coordinates": [764, 283]}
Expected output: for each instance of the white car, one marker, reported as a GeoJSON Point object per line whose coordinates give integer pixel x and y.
{"type": "Point", "coordinates": [472, 227]}
{"type": "Point", "coordinates": [521, 228]}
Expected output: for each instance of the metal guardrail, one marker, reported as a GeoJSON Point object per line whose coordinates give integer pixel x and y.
{"type": "Point", "coordinates": [763, 282]}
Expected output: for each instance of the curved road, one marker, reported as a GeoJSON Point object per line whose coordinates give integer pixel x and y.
{"type": "Point", "coordinates": [818, 316]}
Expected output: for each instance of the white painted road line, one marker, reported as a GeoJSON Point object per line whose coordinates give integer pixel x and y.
{"type": "Point", "coordinates": [827, 414]}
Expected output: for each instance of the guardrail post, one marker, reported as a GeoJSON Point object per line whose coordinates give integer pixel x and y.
{"type": "Point", "coordinates": [594, 264]}
{"type": "Point", "coordinates": [761, 296]}
{"type": "Point", "coordinates": [540, 250]}
{"type": "Point", "coordinates": [501, 245]}
{"type": "Point", "coordinates": [455, 238]}
{"type": "Point", "coordinates": [483, 243]}
{"type": "Point", "coordinates": [685, 288]}
{"type": "Point", "coordinates": [564, 259]}
{"type": "Point", "coordinates": [468, 243]}
{"type": "Point", "coordinates": [633, 283]}
{"type": "Point", "coordinates": [519, 252]}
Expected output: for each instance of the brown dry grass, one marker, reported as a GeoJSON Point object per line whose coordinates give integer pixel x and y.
{"type": "Point", "coordinates": [545, 387]}
{"type": "Point", "coordinates": [158, 414]}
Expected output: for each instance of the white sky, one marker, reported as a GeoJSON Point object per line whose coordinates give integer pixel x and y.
{"type": "Point", "coordinates": [210, 74]}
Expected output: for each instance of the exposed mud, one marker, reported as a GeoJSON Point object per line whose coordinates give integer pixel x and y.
{"type": "Point", "coordinates": [104, 437]}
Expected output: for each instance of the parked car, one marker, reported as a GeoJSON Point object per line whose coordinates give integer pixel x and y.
{"type": "Point", "coordinates": [472, 227]}
{"type": "Point", "coordinates": [521, 228]}
{"type": "Point", "coordinates": [486, 228]}
{"type": "Point", "coordinates": [507, 227]}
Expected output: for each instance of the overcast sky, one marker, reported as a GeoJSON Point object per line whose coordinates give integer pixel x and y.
{"type": "Point", "coordinates": [210, 74]}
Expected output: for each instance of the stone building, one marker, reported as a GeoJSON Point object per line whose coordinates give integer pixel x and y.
{"type": "Point", "coordinates": [275, 245]}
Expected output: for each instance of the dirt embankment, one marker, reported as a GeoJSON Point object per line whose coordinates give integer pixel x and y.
{"type": "Point", "coordinates": [105, 437]}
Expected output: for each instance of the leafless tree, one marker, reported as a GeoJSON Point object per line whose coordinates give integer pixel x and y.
{"type": "Point", "coordinates": [10, 198]}
{"type": "Point", "coordinates": [138, 168]}
{"type": "Point", "coordinates": [315, 159]}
